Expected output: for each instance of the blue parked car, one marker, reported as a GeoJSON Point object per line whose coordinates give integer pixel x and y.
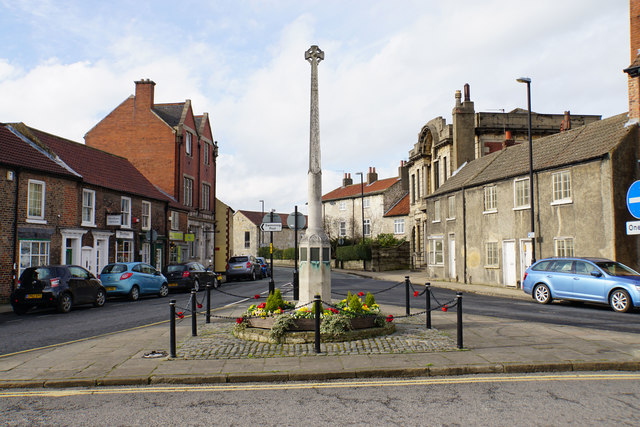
{"type": "Point", "coordinates": [583, 279]}
{"type": "Point", "coordinates": [133, 279]}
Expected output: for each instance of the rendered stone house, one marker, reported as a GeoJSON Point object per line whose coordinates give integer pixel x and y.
{"type": "Point", "coordinates": [224, 239]}
{"type": "Point", "coordinates": [175, 150]}
{"type": "Point", "coordinates": [443, 148]}
{"type": "Point", "coordinates": [344, 207]}
{"type": "Point", "coordinates": [479, 220]}
{"type": "Point", "coordinates": [247, 236]}
{"type": "Point", "coordinates": [68, 197]}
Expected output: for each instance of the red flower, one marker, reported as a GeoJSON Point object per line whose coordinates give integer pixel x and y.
{"type": "Point", "coordinates": [239, 320]}
{"type": "Point", "coordinates": [256, 296]}
{"type": "Point", "coordinates": [360, 293]}
{"type": "Point", "coordinates": [180, 315]}
{"type": "Point", "coordinates": [390, 318]}
{"type": "Point", "coordinates": [445, 307]}
{"type": "Point", "coordinates": [333, 310]}
{"type": "Point", "coordinates": [199, 305]}
{"type": "Point", "coordinates": [415, 293]}
{"type": "Point", "coordinates": [263, 305]}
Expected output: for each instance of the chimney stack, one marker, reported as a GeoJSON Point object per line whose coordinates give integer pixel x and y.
{"type": "Point", "coordinates": [508, 140]}
{"type": "Point", "coordinates": [144, 93]}
{"type": "Point", "coordinates": [403, 175]}
{"type": "Point", "coordinates": [372, 176]}
{"type": "Point", "coordinates": [346, 181]}
{"type": "Point", "coordinates": [566, 122]}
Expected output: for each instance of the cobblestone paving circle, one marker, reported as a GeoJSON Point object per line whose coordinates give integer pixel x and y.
{"type": "Point", "coordinates": [216, 341]}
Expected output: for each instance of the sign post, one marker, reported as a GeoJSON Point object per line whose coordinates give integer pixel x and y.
{"type": "Point", "coordinates": [296, 221]}
{"type": "Point", "coordinates": [271, 222]}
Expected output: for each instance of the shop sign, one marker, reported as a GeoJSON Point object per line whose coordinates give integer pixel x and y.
{"type": "Point", "coordinates": [127, 235]}
{"type": "Point", "coordinates": [176, 235]}
{"type": "Point", "coordinates": [189, 237]}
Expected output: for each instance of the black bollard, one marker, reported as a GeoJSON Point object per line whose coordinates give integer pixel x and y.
{"type": "Point", "coordinates": [194, 319]}
{"type": "Point", "coordinates": [459, 312]}
{"type": "Point", "coordinates": [427, 292]}
{"type": "Point", "coordinates": [172, 327]}
{"type": "Point", "coordinates": [406, 286]}
{"type": "Point", "coordinates": [296, 284]}
{"type": "Point", "coordinates": [208, 317]}
{"type": "Point", "coordinates": [316, 304]}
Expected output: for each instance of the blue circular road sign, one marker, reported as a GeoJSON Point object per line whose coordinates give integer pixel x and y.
{"type": "Point", "coordinates": [633, 199]}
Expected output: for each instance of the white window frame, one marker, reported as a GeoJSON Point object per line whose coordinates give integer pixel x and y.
{"type": "Point", "coordinates": [563, 246]}
{"type": "Point", "coordinates": [125, 211]}
{"type": "Point", "coordinates": [492, 254]}
{"type": "Point", "coordinates": [561, 187]}
{"type": "Point", "coordinates": [398, 226]}
{"type": "Point", "coordinates": [490, 199]}
{"type": "Point", "coordinates": [206, 150]}
{"type": "Point", "coordinates": [521, 185]}
{"type": "Point", "coordinates": [366, 202]}
{"type": "Point", "coordinates": [436, 210]}
{"type": "Point", "coordinates": [145, 253]}
{"type": "Point", "coordinates": [247, 239]}
{"type": "Point", "coordinates": [206, 196]}
{"type": "Point", "coordinates": [124, 250]}
{"type": "Point", "coordinates": [342, 227]}
{"type": "Point", "coordinates": [366, 227]}
{"type": "Point", "coordinates": [188, 191]}
{"type": "Point", "coordinates": [175, 220]}
{"type": "Point", "coordinates": [29, 258]}
{"type": "Point", "coordinates": [451, 208]}
{"type": "Point", "coordinates": [35, 213]}
{"type": "Point", "coordinates": [88, 220]}
{"type": "Point", "coordinates": [436, 251]}
{"type": "Point", "coordinates": [342, 205]}
{"type": "Point", "coordinates": [188, 143]}
{"type": "Point", "coordinates": [146, 215]}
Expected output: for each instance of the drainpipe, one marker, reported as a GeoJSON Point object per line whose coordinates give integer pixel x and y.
{"type": "Point", "coordinates": [14, 270]}
{"type": "Point", "coordinates": [464, 231]}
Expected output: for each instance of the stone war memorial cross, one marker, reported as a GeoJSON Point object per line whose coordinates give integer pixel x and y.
{"type": "Point", "coordinates": [315, 249]}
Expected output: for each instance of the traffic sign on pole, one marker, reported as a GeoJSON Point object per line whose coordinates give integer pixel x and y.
{"type": "Point", "coordinates": [296, 221]}
{"type": "Point", "coordinates": [271, 226]}
{"type": "Point", "coordinates": [633, 199]}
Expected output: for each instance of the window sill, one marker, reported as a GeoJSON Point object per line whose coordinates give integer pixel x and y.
{"type": "Point", "coordinates": [36, 221]}
{"type": "Point", "coordinates": [451, 219]}
{"type": "Point", "coordinates": [88, 224]}
{"type": "Point", "coordinates": [435, 222]}
{"type": "Point", "coordinates": [492, 267]}
{"type": "Point", "coordinates": [562, 202]}
{"type": "Point", "coordinates": [490, 212]}
{"type": "Point", "coordinates": [522, 208]}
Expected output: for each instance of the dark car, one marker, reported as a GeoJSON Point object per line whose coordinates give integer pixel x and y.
{"type": "Point", "coordinates": [189, 275]}
{"type": "Point", "coordinates": [246, 266]}
{"type": "Point", "coordinates": [264, 267]}
{"type": "Point", "coordinates": [60, 286]}
{"type": "Point", "coordinates": [596, 280]}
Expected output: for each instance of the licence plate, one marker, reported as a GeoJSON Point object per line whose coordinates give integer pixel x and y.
{"type": "Point", "coordinates": [33, 296]}
{"type": "Point", "coordinates": [237, 267]}
{"type": "Point", "coordinates": [173, 285]}
{"type": "Point", "coordinates": [111, 288]}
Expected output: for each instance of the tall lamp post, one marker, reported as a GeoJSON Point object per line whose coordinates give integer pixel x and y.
{"type": "Point", "coordinates": [260, 235]}
{"type": "Point", "coordinates": [527, 80]}
{"type": "Point", "coordinates": [362, 201]}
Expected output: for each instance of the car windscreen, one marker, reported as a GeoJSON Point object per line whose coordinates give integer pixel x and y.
{"type": "Point", "coordinates": [174, 268]}
{"type": "Point", "coordinates": [238, 259]}
{"type": "Point", "coordinates": [616, 269]}
{"type": "Point", "coordinates": [114, 269]}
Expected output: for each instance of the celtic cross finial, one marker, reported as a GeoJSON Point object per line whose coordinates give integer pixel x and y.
{"type": "Point", "coordinates": [314, 54]}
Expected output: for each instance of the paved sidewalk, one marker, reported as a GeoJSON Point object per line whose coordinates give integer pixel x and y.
{"type": "Point", "coordinates": [491, 345]}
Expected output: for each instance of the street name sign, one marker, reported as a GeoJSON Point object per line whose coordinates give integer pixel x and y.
{"type": "Point", "coordinates": [271, 226]}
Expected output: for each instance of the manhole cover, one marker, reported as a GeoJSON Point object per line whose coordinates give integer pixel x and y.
{"type": "Point", "coordinates": [155, 354]}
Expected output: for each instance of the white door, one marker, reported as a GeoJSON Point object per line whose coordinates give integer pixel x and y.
{"type": "Point", "coordinates": [87, 258]}
{"type": "Point", "coordinates": [452, 257]}
{"type": "Point", "coordinates": [526, 256]}
{"type": "Point", "coordinates": [509, 263]}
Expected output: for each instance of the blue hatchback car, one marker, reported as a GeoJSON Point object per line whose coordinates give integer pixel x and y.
{"type": "Point", "coordinates": [583, 279]}
{"type": "Point", "coordinates": [133, 279]}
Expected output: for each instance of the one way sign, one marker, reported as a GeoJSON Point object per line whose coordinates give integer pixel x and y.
{"type": "Point", "coordinates": [271, 226]}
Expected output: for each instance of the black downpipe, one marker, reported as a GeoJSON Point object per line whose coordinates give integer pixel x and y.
{"type": "Point", "coordinates": [464, 231]}
{"type": "Point", "coordinates": [14, 269]}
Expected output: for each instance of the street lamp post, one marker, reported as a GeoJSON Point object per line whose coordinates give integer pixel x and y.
{"type": "Point", "coordinates": [362, 201]}
{"type": "Point", "coordinates": [527, 80]}
{"type": "Point", "coordinates": [260, 239]}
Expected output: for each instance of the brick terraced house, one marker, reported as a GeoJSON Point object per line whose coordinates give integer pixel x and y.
{"type": "Point", "coordinates": [175, 150]}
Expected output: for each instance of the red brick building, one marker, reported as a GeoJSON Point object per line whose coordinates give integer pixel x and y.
{"type": "Point", "coordinates": [175, 150]}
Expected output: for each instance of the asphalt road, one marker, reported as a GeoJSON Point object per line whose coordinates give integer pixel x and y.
{"type": "Point", "coordinates": [603, 398]}
{"type": "Point", "coordinates": [39, 328]}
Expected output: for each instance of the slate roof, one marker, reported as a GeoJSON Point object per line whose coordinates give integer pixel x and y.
{"type": "Point", "coordinates": [170, 113]}
{"type": "Point", "coordinates": [97, 167]}
{"type": "Point", "coordinates": [401, 208]}
{"type": "Point", "coordinates": [16, 152]}
{"type": "Point", "coordinates": [354, 190]}
{"type": "Point", "coordinates": [582, 144]}
{"type": "Point", "coordinates": [256, 217]}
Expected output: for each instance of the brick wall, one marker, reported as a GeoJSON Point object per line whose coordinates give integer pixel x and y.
{"type": "Point", "coordinates": [7, 232]}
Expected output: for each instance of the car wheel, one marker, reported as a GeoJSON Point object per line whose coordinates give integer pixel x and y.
{"type": "Point", "coordinates": [65, 303]}
{"type": "Point", "coordinates": [164, 290]}
{"type": "Point", "coordinates": [101, 297]}
{"type": "Point", "coordinates": [20, 309]}
{"type": "Point", "coordinates": [196, 285]}
{"type": "Point", "coordinates": [542, 294]}
{"type": "Point", "coordinates": [216, 283]}
{"type": "Point", "coordinates": [620, 301]}
{"type": "Point", "coordinates": [254, 276]}
{"type": "Point", "coordinates": [134, 293]}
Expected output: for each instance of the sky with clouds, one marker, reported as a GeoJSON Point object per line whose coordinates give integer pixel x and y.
{"type": "Point", "coordinates": [390, 67]}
